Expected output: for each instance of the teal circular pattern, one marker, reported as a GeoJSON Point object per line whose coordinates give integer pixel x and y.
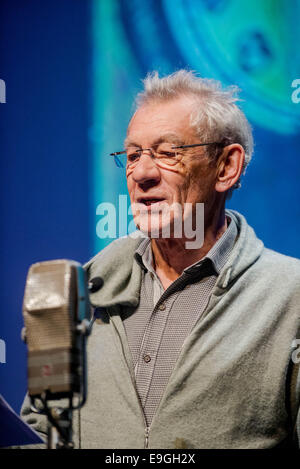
{"type": "Point", "coordinates": [253, 44]}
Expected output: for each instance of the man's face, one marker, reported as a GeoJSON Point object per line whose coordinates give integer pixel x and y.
{"type": "Point", "coordinates": [151, 186]}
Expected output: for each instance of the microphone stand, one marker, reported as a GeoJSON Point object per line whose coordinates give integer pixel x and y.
{"type": "Point", "coordinates": [60, 431]}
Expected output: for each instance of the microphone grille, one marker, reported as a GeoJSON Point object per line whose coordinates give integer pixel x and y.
{"type": "Point", "coordinates": [50, 312]}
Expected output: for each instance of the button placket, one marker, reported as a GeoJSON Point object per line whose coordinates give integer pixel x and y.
{"type": "Point", "coordinates": [149, 349]}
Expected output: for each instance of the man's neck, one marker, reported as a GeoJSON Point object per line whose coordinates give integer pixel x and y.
{"type": "Point", "coordinates": [170, 256]}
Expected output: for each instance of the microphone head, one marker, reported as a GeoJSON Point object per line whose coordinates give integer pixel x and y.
{"type": "Point", "coordinates": [53, 301]}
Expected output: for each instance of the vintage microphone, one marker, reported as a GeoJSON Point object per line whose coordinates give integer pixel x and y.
{"type": "Point", "coordinates": [57, 318]}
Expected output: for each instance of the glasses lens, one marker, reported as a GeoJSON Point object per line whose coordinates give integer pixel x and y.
{"type": "Point", "coordinates": [133, 155]}
{"type": "Point", "coordinates": [166, 154]}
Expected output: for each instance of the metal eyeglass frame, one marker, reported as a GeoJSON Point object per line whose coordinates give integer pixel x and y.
{"type": "Point", "coordinates": [119, 163]}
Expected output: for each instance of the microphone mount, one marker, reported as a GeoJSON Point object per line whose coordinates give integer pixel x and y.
{"type": "Point", "coordinates": [57, 366]}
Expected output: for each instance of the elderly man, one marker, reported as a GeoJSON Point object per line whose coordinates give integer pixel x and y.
{"type": "Point", "coordinates": [192, 343]}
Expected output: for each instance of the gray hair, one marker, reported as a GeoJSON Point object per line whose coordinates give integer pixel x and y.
{"type": "Point", "coordinates": [216, 119]}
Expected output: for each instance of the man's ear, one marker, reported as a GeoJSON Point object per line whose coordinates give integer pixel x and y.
{"type": "Point", "coordinates": [230, 166]}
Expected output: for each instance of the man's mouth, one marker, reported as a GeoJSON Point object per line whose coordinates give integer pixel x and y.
{"type": "Point", "coordinates": [149, 201]}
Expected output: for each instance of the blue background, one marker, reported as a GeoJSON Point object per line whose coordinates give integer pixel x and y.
{"type": "Point", "coordinates": [72, 69]}
{"type": "Point", "coordinates": [45, 59]}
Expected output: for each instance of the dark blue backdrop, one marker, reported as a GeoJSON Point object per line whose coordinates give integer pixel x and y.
{"type": "Point", "coordinates": [44, 60]}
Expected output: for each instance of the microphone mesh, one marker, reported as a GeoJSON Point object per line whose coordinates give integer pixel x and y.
{"type": "Point", "coordinates": [50, 312]}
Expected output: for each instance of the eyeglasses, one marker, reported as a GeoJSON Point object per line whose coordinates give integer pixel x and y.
{"type": "Point", "coordinates": [165, 154]}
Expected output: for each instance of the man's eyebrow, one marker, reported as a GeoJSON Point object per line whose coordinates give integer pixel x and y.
{"type": "Point", "coordinates": [169, 137]}
{"type": "Point", "coordinates": [128, 142]}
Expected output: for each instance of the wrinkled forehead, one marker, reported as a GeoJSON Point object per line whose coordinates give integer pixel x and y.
{"type": "Point", "coordinates": [169, 119]}
{"type": "Point", "coordinates": [168, 137]}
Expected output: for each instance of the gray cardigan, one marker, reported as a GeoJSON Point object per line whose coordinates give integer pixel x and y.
{"type": "Point", "coordinates": [229, 384]}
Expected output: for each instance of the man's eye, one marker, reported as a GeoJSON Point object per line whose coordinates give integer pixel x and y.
{"type": "Point", "coordinates": [133, 156]}
{"type": "Point", "coordinates": [168, 154]}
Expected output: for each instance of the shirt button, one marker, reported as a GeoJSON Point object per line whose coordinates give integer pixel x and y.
{"type": "Point", "coordinates": [162, 307]}
{"type": "Point", "coordinates": [147, 358]}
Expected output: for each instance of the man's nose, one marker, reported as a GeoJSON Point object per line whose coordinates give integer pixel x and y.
{"type": "Point", "coordinates": [146, 170]}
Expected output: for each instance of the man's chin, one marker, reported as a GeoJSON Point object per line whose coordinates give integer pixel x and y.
{"type": "Point", "coordinates": [154, 228]}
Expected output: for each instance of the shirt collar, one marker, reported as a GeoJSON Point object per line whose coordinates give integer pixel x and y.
{"type": "Point", "coordinates": [218, 254]}
{"type": "Point", "coordinates": [143, 255]}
